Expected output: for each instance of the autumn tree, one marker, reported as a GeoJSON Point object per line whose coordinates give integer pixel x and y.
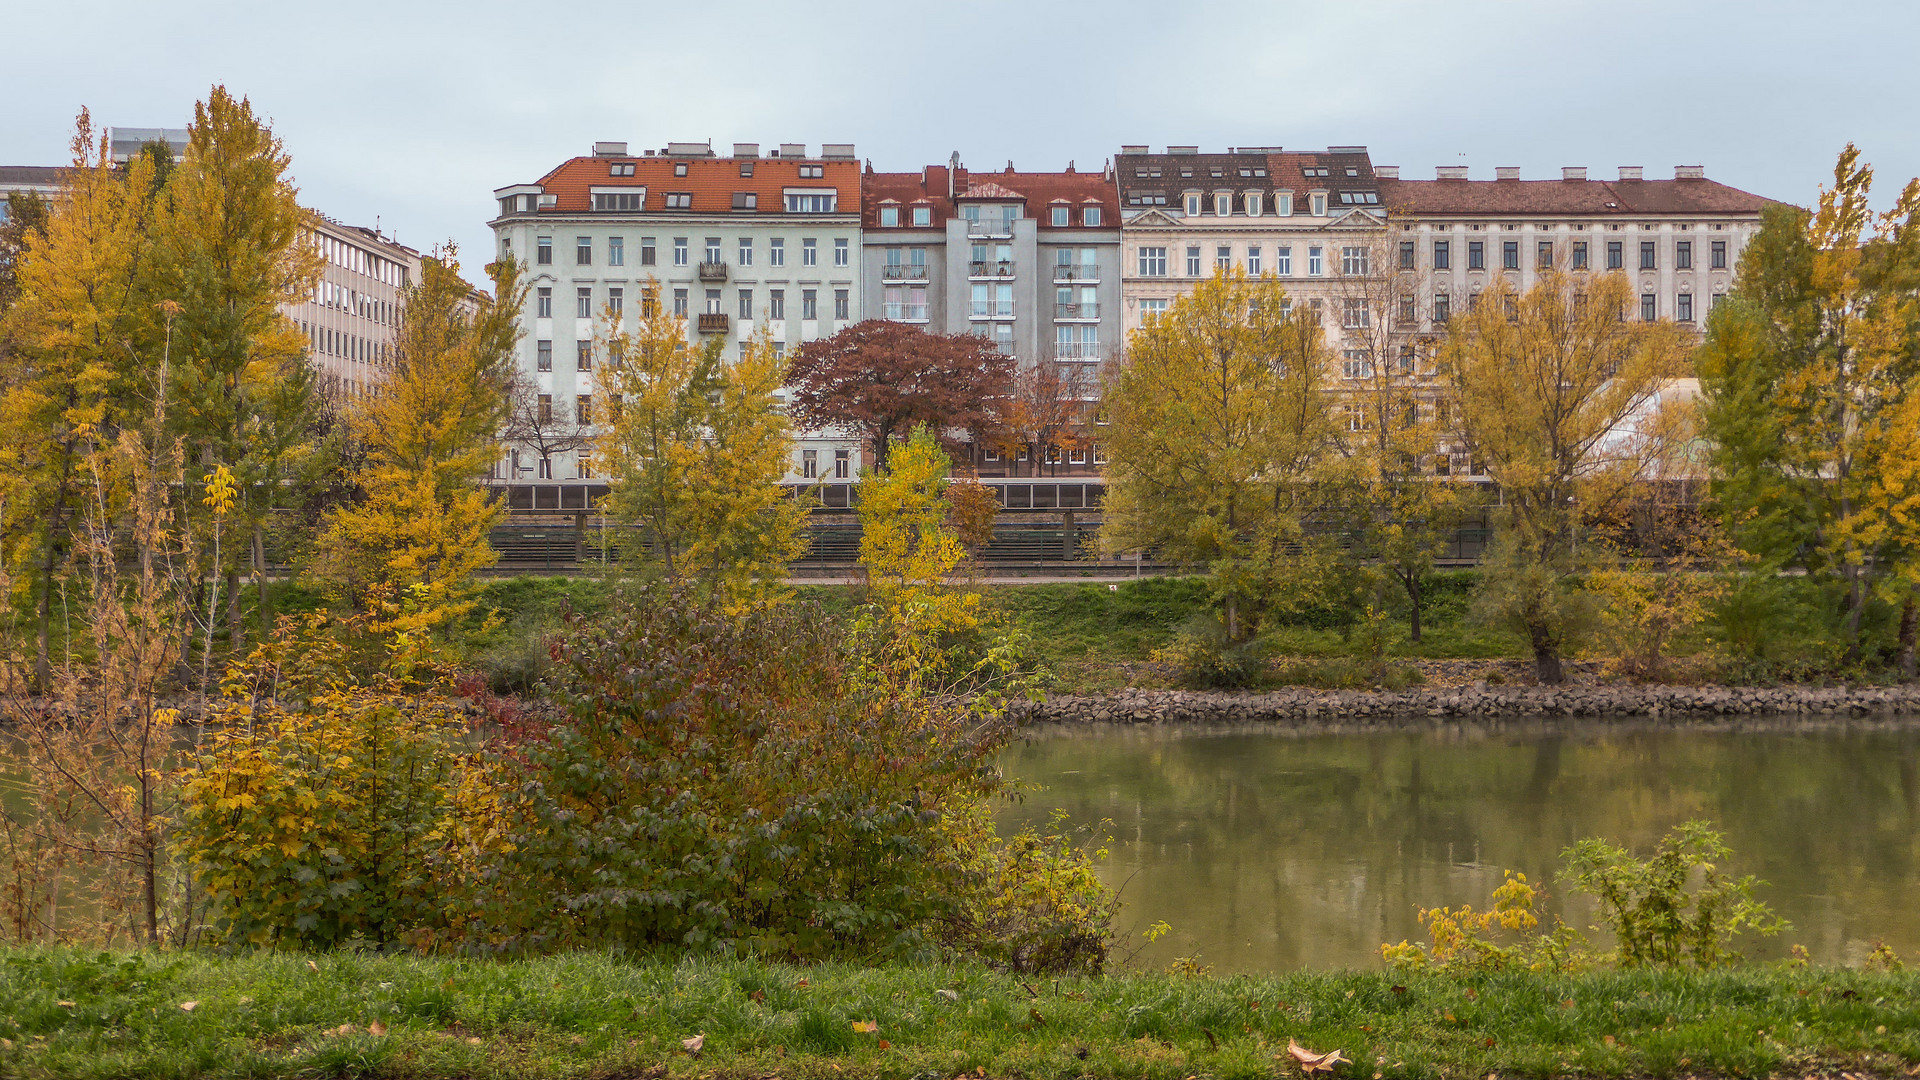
{"type": "Point", "coordinates": [543, 427]}
{"type": "Point", "coordinates": [228, 250]}
{"type": "Point", "coordinates": [1046, 405]}
{"type": "Point", "coordinates": [1560, 396]}
{"type": "Point", "coordinates": [881, 379]}
{"type": "Point", "coordinates": [27, 214]}
{"type": "Point", "coordinates": [419, 528]}
{"type": "Point", "coordinates": [1220, 422]}
{"type": "Point", "coordinates": [1809, 378]}
{"type": "Point", "coordinates": [76, 336]}
{"type": "Point", "coordinates": [694, 449]}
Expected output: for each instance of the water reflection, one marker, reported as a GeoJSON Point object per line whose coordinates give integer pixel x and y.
{"type": "Point", "coordinates": [1268, 850]}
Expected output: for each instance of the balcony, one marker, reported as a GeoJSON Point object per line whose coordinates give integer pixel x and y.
{"type": "Point", "coordinates": [990, 227]}
{"type": "Point", "coordinates": [907, 312]}
{"type": "Point", "coordinates": [713, 322]}
{"type": "Point", "coordinates": [1003, 269]}
{"type": "Point", "coordinates": [1076, 311]}
{"type": "Point", "coordinates": [713, 271]}
{"type": "Point", "coordinates": [1075, 272]}
{"type": "Point", "coordinates": [903, 272]}
{"type": "Point", "coordinates": [1077, 350]}
{"type": "Point", "coordinates": [993, 309]}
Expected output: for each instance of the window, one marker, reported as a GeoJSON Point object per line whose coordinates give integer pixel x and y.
{"type": "Point", "coordinates": [842, 304]}
{"type": "Point", "coordinates": [1223, 205]}
{"type": "Point", "coordinates": [1060, 216]}
{"type": "Point", "coordinates": [543, 303]}
{"type": "Point", "coordinates": [1314, 263]}
{"type": "Point", "coordinates": [1356, 364]}
{"type": "Point", "coordinates": [1649, 307]}
{"type": "Point", "coordinates": [1510, 307]}
{"type": "Point", "coordinates": [646, 251]}
{"type": "Point", "coordinates": [1355, 314]}
{"type": "Point", "coordinates": [1476, 255]}
{"type": "Point", "coordinates": [1406, 254]}
{"type": "Point", "coordinates": [1649, 255]}
{"type": "Point", "coordinates": [777, 252]}
{"type": "Point", "coordinates": [1579, 260]}
{"type": "Point", "coordinates": [583, 355]}
{"type": "Point", "coordinates": [777, 304]}
{"type": "Point", "coordinates": [649, 302]}
{"type": "Point", "coordinates": [1153, 305]}
{"type": "Point", "coordinates": [616, 251]}
{"type": "Point", "coordinates": [543, 356]}
{"type": "Point", "coordinates": [1193, 206]}
{"type": "Point", "coordinates": [616, 302]}
{"type": "Point", "coordinates": [922, 217]}
{"type": "Point", "coordinates": [1442, 309]}
{"type": "Point", "coordinates": [1076, 455]}
{"type": "Point", "coordinates": [583, 409]}
{"type": "Point", "coordinates": [679, 200]}
{"type": "Point", "coordinates": [1684, 310]}
{"type": "Point", "coordinates": [809, 304]}
{"type": "Point", "coordinates": [583, 250]}
{"type": "Point", "coordinates": [1283, 260]}
{"type": "Point", "coordinates": [1252, 201]}
{"type": "Point", "coordinates": [1223, 257]}
{"type": "Point", "coordinates": [1543, 255]}
{"type": "Point", "coordinates": [1353, 261]}
{"type": "Point", "coordinates": [1406, 314]}
{"type": "Point", "coordinates": [679, 251]}
{"type": "Point", "coordinates": [810, 463]}
{"type": "Point", "coordinates": [543, 251]}
{"type": "Point", "coordinates": [583, 302]}
{"type": "Point", "coordinates": [1319, 204]}
{"type": "Point", "coordinates": [841, 252]}
{"type": "Point", "coordinates": [679, 168]}
{"type": "Point", "coordinates": [713, 249]}
{"type": "Point", "coordinates": [1442, 256]}
{"type": "Point", "coordinates": [679, 303]}
{"type": "Point", "coordinates": [1718, 255]}
{"type": "Point", "coordinates": [1283, 203]}
{"type": "Point", "coordinates": [616, 200]}
{"type": "Point", "coordinates": [889, 217]}
{"type": "Point", "coordinates": [1153, 262]}
{"type": "Point", "coordinates": [1683, 255]}
{"type": "Point", "coordinates": [842, 464]}
{"type": "Point", "coordinates": [621, 168]}
{"type": "Point", "coordinates": [746, 170]}
{"type": "Point", "coordinates": [1510, 255]}
{"type": "Point", "coordinates": [1253, 259]}
{"type": "Point", "coordinates": [809, 252]}
{"type": "Point", "coordinates": [1090, 216]}
{"type": "Point", "coordinates": [1193, 260]}
{"type": "Point", "coordinates": [546, 463]}
{"type": "Point", "coordinates": [713, 301]}
{"type": "Point", "coordinates": [746, 303]}
{"type": "Point", "coordinates": [812, 172]}
{"type": "Point", "coordinates": [1616, 260]}
{"type": "Point", "coordinates": [810, 203]}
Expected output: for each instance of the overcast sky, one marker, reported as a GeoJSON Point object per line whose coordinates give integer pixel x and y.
{"type": "Point", "coordinates": [412, 113]}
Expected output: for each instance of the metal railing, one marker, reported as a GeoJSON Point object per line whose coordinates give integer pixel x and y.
{"type": "Point", "coordinates": [713, 322]}
{"type": "Point", "coordinates": [904, 272]}
{"type": "Point", "coordinates": [907, 312]}
{"type": "Point", "coordinates": [713, 271]}
{"type": "Point", "coordinates": [1077, 350]}
{"type": "Point", "coordinates": [1075, 272]}
{"type": "Point", "coordinates": [990, 227]}
{"type": "Point", "coordinates": [1076, 311]}
{"type": "Point", "coordinates": [992, 309]}
{"type": "Point", "coordinates": [1002, 268]}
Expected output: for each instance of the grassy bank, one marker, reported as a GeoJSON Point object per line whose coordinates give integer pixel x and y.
{"type": "Point", "coordinates": [70, 1014]}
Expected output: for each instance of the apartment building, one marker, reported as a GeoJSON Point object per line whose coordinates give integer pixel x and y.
{"type": "Point", "coordinates": [41, 180]}
{"type": "Point", "coordinates": [1028, 260]}
{"type": "Point", "coordinates": [732, 244]}
{"type": "Point", "coordinates": [352, 314]}
{"type": "Point", "coordinates": [1307, 217]}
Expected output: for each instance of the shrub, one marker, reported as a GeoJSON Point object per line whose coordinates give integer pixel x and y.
{"type": "Point", "coordinates": [1656, 918]}
{"type": "Point", "coordinates": [1203, 659]}
{"type": "Point", "coordinates": [1032, 902]}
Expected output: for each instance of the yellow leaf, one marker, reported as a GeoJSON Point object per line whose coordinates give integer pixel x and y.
{"type": "Point", "coordinates": [866, 1027]}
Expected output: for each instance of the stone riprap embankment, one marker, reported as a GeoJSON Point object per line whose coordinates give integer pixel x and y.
{"type": "Point", "coordinates": [1297, 705]}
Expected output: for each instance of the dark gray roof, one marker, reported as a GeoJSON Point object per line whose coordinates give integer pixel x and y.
{"type": "Point", "coordinates": [19, 176]}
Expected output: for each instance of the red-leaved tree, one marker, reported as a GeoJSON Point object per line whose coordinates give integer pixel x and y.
{"type": "Point", "coordinates": [882, 379]}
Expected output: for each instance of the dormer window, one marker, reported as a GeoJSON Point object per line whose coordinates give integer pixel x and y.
{"type": "Point", "coordinates": [812, 172]}
{"type": "Point", "coordinates": [922, 216]}
{"type": "Point", "coordinates": [620, 168]}
{"type": "Point", "coordinates": [1060, 216]}
{"type": "Point", "coordinates": [1223, 206]}
{"type": "Point", "coordinates": [889, 217]}
{"type": "Point", "coordinates": [618, 200]}
{"type": "Point", "coordinates": [1186, 172]}
{"type": "Point", "coordinates": [1090, 216]}
{"type": "Point", "coordinates": [679, 168]}
{"type": "Point", "coordinates": [746, 200]}
{"type": "Point", "coordinates": [1193, 205]}
{"type": "Point", "coordinates": [1253, 204]}
{"type": "Point", "coordinates": [1319, 204]}
{"type": "Point", "coordinates": [746, 170]}
{"type": "Point", "coordinates": [1283, 203]}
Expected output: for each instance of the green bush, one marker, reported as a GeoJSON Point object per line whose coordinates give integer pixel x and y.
{"type": "Point", "coordinates": [1203, 658]}
{"type": "Point", "coordinates": [1659, 915]}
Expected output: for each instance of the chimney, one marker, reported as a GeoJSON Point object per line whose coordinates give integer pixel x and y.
{"type": "Point", "coordinates": [1183, 149]}
{"type": "Point", "coordinates": [793, 149]}
{"type": "Point", "coordinates": [1573, 172]}
{"type": "Point", "coordinates": [837, 151]}
{"type": "Point", "coordinates": [1386, 172]}
{"type": "Point", "coordinates": [1449, 172]}
{"type": "Point", "coordinates": [953, 173]}
{"type": "Point", "coordinates": [609, 149]}
{"type": "Point", "coordinates": [1506, 172]}
{"type": "Point", "coordinates": [1346, 149]}
{"type": "Point", "coordinates": [690, 149]}
{"type": "Point", "coordinates": [1133, 149]}
{"type": "Point", "coordinates": [1630, 172]}
{"type": "Point", "coordinates": [746, 149]}
{"type": "Point", "coordinates": [1689, 172]}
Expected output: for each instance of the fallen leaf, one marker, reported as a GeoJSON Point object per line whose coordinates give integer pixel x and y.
{"type": "Point", "coordinates": [1489, 1042]}
{"type": "Point", "coordinates": [757, 995]}
{"type": "Point", "coordinates": [473, 1040]}
{"type": "Point", "coordinates": [376, 1029]}
{"type": "Point", "coordinates": [64, 1004]}
{"type": "Point", "coordinates": [1472, 994]}
{"type": "Point", "coordinates": [1399, 989]}
{"type": "Point", "coordinates": [1608, 1039]}
{"type": "Point", "coordinates": [802, 984]}
{"type": "Point", "coordinates": [950, 995]}
{"type": "Point", "coordinates": [342, 1030]}
{"type": "Point", "coordinates": [311, 966]}
{"type": "Point", "coordinates": [1311, 1062]}
{"type": "Point", "coordinates": [694, 1044]}
{"type": "Point", "coordinates": [1566, 1003]}
{"type": "Point", "coordinates": [189, 1006]}
{"type": "Point", "coordinates": [866, 1027]}
{"type": "Point", "coordinates": [885, 1045]}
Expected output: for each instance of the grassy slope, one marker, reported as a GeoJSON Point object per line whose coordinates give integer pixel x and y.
{"type": "Point", "coordinates": [70, 1014]}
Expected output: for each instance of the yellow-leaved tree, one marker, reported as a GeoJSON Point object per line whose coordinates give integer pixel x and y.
{"type": "Point", "coordinates": [1561, 396]}
{"type": "Point", "coordinates": [1220, 422]}
{"type": "Point", "coordinates": [694, 448]}
{"type": "Point", "coordinates": [418, 532]}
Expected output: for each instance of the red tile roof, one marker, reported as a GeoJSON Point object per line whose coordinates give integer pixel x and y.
{"type": "Point", "coordinates": [1567, 197]}
{"type": "Point", "coordinates": [1037, 189]}
{"type": "Point", "coordinates": [711, 181]}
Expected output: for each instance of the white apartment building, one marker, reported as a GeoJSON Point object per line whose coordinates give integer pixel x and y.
{"type": "Point", "coordinates": [351, 316]}
{"type": "Point", "coordinates": [731, 244]}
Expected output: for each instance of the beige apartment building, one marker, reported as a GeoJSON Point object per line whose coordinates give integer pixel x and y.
{"type": "Point", "coordinates": [351, 317]}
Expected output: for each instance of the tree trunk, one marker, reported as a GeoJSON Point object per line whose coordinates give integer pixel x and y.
{"type": "Point", "coordinates": [233, 612]}
{"type": "Point", "coordinates": [1546, 665]}
{"type": "Point", "coordinates": [43, 616]}
{"type": "Point", "coordinates": [1909, 625]}
{"type": "Point", "coordinates": [1413, 596]}
{"type": "Point", "coordinates": [1233, 618]}
{"type": "Point", "coordinates": [260, 577]}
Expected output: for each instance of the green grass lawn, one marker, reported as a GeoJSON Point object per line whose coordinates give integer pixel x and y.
{"type": "Point", "coordinates": [92, 1015]}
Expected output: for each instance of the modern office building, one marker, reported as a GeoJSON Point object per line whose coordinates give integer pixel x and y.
{"type": "Point", "coordinates": [124, 142]}
{"type": "Point", "coordinates": [732, 244]}
{"type": "Point", "coordinates": [353, 312]}
{"type": "Point", "coordinates": [39, 180]}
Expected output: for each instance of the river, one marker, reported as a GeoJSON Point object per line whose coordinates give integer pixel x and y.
{"type": "Point", "coordinates": [1270, 850]}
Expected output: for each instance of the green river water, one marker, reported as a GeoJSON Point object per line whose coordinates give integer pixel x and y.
{"type": "Point", "coordinates": [1268, 850]}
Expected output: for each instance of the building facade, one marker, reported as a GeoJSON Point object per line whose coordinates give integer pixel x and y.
{"type": "Point", "coordinates": [351, 316]}
{"type": "Point", "coordinates": [732, 244]}
{"type": "Point", "coordinates": [1027, 260]}
{"type": "Point", "coordinates": [41, 180]}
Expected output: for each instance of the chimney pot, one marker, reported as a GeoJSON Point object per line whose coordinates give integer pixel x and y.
{"type": "Point", "coordinates": [1689, 172]}
{"type": "Point", "coordinates": [1631, 172]}
{"type": "Point", "coordinates": [1387, 172]}
{"type": "Point", "coordinates": [790, 149]}
{"type": "Point", "coordinates": [1449, 172]}
{"type": "Point", "coordinates": [1133, 149]}
{"type": "Point", "coordinates": [609, 149]}
{"type": "Point", "coordinates": [1573, 172]}
{"type": "Point", "coordinates": [1506, 172]}
{"type": "Point", "coordinates": [746, 149]}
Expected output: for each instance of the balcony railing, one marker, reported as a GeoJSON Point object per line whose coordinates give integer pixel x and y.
{"type": "Point", "coordinates": [713, 271]}
{"type": "Point", "coordinates": [993, 309]}
{"type": "Point", "coordinates": [904, 272]}
{"type": "Point", "coordinates": [1076, 311]}
{"type": "Point", "coordinates": [1001, 269]}
{"type": "Point", "coordinates": [907, 312]}
{"type": "Point", "coordinates": [990, 227]}
{"type": "Point", "coordinates": [713, 322]}
{"type": "Point", "coordinates": [1077, 350]}
{"type": "Point", "coordinates": [1075, 272]}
